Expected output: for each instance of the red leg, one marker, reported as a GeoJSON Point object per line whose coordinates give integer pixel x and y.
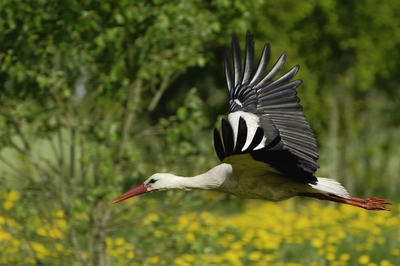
{"type": "Point", "coordinates": [375, 204]}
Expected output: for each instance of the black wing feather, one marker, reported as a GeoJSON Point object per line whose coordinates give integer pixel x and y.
{"type": "Point", "coordinates": [228, 72]}
{"type": "Point", "coordinates": [237, 60]}
{"type": "Point", "coordinates": [249, 58]}
{"type": "Point", "coordinates": [241, 136]}
{"type": "Point", "coordinates": [227, 136]}
{"type": "Point", "coordinates": [273, 72]}
{"type": "Point", "coordinates": [262, 65]}
{"type": "Point", "coordinates": [219, 148]}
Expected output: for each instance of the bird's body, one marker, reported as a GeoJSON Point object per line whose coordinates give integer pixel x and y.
{"type": "Point", "coordinates": [267, 148]}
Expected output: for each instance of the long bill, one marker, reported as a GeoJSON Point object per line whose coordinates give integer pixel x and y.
{"type": "Point", "coordinates": [131, 193]}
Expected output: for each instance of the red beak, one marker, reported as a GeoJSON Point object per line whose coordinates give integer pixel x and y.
{"type": "Point", "coordinates": [131, 193]}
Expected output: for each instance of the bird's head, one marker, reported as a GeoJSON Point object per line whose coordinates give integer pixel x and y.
{"type": "Point", "coordinates": [155, 182]}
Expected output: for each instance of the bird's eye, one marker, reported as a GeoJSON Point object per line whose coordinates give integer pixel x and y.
{"type": "Point", "coordinates": [152, 181]}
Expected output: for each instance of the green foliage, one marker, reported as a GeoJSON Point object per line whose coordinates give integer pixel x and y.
{"type": "Point", "coordinates": [95, 96]}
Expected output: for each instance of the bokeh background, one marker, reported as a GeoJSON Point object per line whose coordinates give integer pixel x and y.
{"type": "Point", "coordinates": [95, 96]}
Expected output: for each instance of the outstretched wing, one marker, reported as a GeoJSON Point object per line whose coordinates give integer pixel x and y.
{"type": "Point", "coordinates": [265, 117]}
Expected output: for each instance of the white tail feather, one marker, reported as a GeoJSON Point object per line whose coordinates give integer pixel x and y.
{"type": "Point", "coordinates": [331, 186]}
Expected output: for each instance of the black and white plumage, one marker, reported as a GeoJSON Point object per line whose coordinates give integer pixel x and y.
{"type": "Point", "coordinates": [272, 108]}
{"type": "Point", "coordinates": [266, 146]}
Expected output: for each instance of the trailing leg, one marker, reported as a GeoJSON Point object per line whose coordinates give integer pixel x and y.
{"type": "Point", "coordinates": [374, 204]}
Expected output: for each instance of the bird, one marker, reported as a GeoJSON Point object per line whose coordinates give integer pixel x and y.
{"type": "Point", "coordinates": [266, 147]}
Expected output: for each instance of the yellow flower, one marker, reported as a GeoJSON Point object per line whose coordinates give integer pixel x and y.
{"type": "Point", "coordinates": [116, 252]}
{"type": "Point", "coordinates": [188, 257]}
{"type": "Point", "coordinates": [62, 224]}
{"type": "Point", "coordinates": [333, 239]}
{"type": "Point", "coordinates": [385, 263]}
{"type": "Point", "coordinates": [158, 233]}
{"type": "Point", "coordinates": [376, 230]}
{"type": "Point", "coordinates": [344, 257]}
{"type": "Point", "coordinates": [191, 237]}
{"type": "Point", "coordinates": [231, 256]}
{"type": "Point", "coordinates": [331, 249]}
{"type": "Point", "coordinates": [255, 255]}
{"type": "Point", "coordinates": [151, 217]}
{"type": "Point", "coordinates": [5, 236]}
{"type": "Point", "coordinates": [181, 262]}
{"type": "Point", "coordinates": [194, 226]}
{"type": "Point", "coordinates": [395, 252]}
{"type": "Point", "coordinates": [119, 241]}
{"type": "Point", "coordinates": [130, 255]}
{"type": "Point", "coordinates": [183, 221]}
{"type": "Point", "coordinates": [155, 259]}
{"type": "Point", "coordinates": [40, 249]}
{"type": "Point", "coordinates": [16, 242]}
{"type": "Point", "coordinates": [363, 259]}
{"type": "Point", "coordinates": [236, 245]}
{"type": "Point", "coordinates": [7, 205]}
{"type": "Point", "coordinates": [317, 243]}
{"type": "Point", "coordinates": [59, 247]}
{"type": "Point", "coordinates": [109, 242]}
{"type": "Point", "coordinates": [59, 214]}
{"type": "Point", "coordinates": [56, 233]}
{"type": "Point", "coordinates": [330, 256]}
{"type": "Point", "coordinates": [12, 196]}
{"type": "Point", "coordinates": [41, 231]}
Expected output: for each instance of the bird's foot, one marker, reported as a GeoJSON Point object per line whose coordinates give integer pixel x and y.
{"type": "Point", "coordinates": [370, 203]}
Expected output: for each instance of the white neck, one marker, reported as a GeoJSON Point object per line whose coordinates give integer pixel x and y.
{"type": "Point", "coordinates": [212, 179]}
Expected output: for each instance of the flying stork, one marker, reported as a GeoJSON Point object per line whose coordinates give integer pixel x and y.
{"type": "Point", "coordinates": [267, 149]}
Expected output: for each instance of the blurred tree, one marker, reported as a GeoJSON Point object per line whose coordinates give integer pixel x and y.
{"type": "Point", "coordinates": [80, 84]}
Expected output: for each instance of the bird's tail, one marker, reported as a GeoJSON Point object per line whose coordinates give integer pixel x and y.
{"type": "Point", "coordinates": [330, 186]}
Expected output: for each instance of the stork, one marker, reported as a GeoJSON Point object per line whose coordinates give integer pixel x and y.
{"type": "Point", "coordinates": [267, 148]}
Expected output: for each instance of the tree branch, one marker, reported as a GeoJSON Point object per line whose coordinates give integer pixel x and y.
{"type": "Point", "coordinates": [166, 81]}
{"type": "Point", "coordinates": [134, 93]}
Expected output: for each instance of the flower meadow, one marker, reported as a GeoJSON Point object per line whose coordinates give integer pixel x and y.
{"type": "Point", "coordinates": [293, 233]}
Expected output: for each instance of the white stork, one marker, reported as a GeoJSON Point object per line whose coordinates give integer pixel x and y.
{"type": "Point", "coordinates": [268, 150]}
